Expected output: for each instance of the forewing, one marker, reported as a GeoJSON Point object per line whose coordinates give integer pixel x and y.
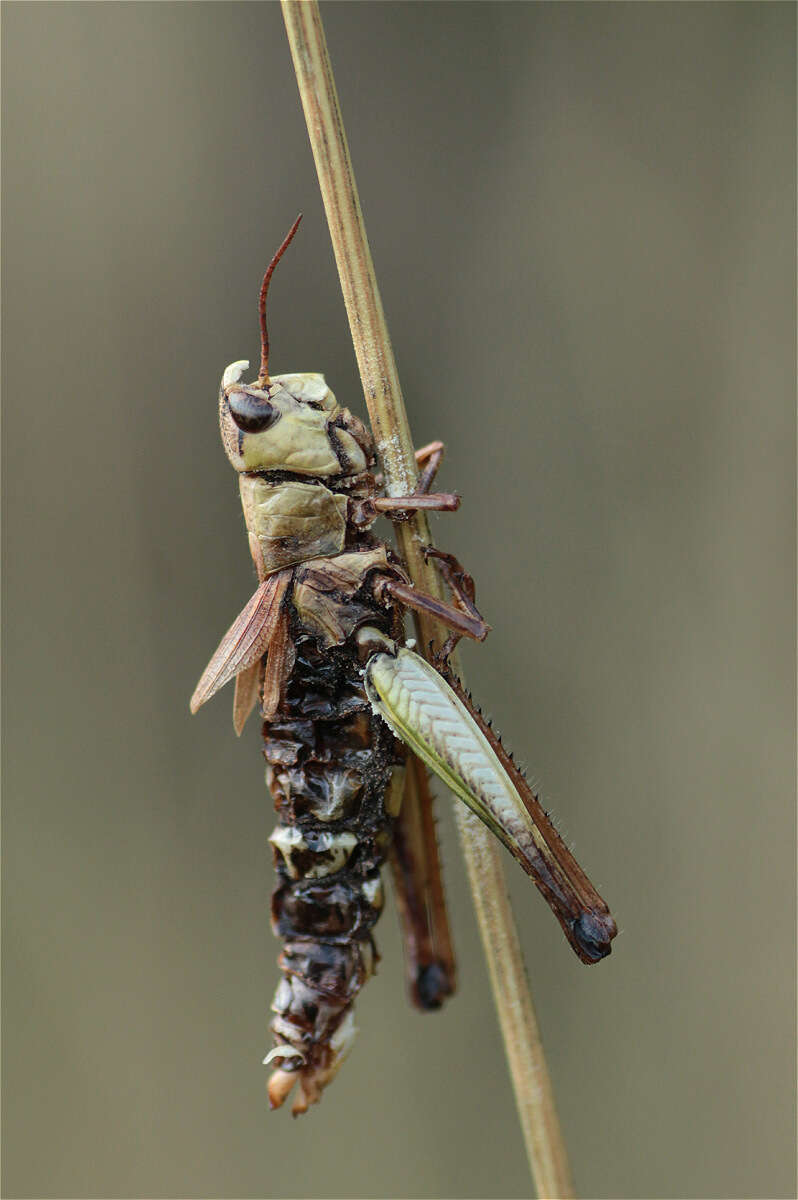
{"type": "Point", "coordinates": [246, 640]}
{"type": "Point", "coordinates": [455, 742]}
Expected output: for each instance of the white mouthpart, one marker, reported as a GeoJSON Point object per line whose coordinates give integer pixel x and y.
{"type": "Point", "coordinates": [234, 372]}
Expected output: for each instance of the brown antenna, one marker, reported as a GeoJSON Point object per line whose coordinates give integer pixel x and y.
{"type": "Point", "coordinates": [263, 375]}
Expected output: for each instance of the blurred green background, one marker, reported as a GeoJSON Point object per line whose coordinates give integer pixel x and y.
{"type": "Point", "coordinates": [582, 218]}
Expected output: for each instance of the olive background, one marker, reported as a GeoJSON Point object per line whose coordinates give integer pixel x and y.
{"type": "Point", "coordinates": [582, 219]}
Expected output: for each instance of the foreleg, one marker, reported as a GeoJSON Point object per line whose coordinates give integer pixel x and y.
{"type": "Point", "coordinates": [400, 506]}
{"type": "Point", "coordinates": [431, 454]}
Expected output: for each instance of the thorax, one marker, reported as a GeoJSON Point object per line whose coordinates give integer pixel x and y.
{"type": "Point", "coordinates": [290, 521]}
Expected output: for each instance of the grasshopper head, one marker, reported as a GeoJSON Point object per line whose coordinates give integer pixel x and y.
{"type": "Point", "coordinates": [290, 423]}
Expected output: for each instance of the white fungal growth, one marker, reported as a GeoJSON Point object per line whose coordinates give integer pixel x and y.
{"type": "Point", "coordinates": [328, 854]}
{"type": "Point", "coordinates": [283, 1052]}
{"type": "Point", "coordinates": [372, 890]}
{"type": "Point", "coordinates": [399, 483]}
{"type": "Point", "coordinates": [341, 1041]}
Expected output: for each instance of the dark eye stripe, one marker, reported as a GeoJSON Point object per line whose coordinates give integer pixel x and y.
{"type": "Point", "coordinates": [252, 414]}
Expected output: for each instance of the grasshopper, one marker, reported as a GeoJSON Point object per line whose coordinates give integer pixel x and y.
{"type": "Point", "coordinates": [353, 717]}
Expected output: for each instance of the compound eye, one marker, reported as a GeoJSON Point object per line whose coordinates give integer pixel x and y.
{"type": "Point", "coordinates": [252, 414]}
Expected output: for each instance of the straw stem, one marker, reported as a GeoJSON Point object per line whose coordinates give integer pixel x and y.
{"type": "Point", "coordinates": [529, 1072]}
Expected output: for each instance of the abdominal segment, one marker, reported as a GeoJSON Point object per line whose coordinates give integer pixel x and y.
{"type": "Point", "coordinates": [331, 765]}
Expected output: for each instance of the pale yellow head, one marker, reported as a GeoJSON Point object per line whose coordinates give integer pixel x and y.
{"type": "Point", "coordinates": [291, 423]}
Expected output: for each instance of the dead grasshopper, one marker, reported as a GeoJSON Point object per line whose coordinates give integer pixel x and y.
{"type": "Point", "coordinates": [352, 717]}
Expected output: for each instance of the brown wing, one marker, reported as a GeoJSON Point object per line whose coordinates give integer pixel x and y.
{"type": "Point", "coordinates": [248, 684]}
{"type": "Point", "coordinates": [246, 640]}
{"type": "Point", "coordinates": [420, 899]}
{"type": "Point", "coordinates": [279, 663]}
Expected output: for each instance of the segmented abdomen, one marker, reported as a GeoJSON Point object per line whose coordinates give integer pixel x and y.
{"type": "Point", "coordinates": [330, 764]}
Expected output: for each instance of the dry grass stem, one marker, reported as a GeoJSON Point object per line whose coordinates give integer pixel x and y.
{"type": "Point", "coordinates": [528, 1069]}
